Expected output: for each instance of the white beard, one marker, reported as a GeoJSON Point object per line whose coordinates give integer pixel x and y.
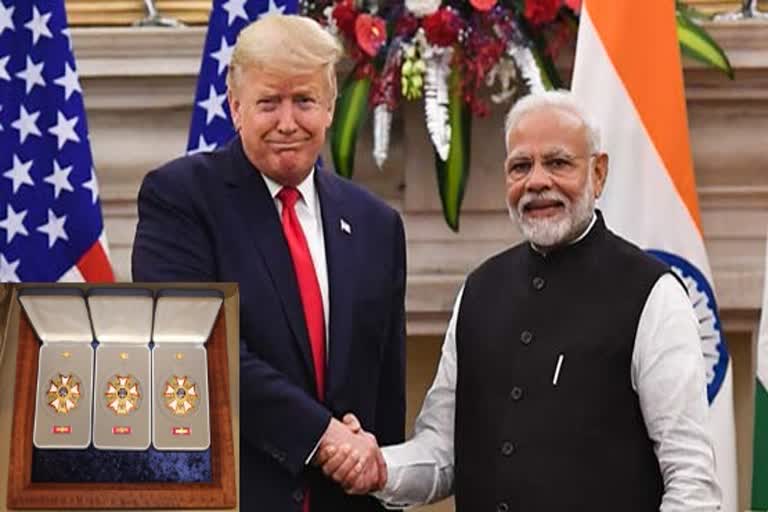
{"type": "Point", "coordinates": [563, 228]}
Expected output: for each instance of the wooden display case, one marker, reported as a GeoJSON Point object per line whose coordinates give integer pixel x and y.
{"type": "Point", "coordinates": [24, 493]}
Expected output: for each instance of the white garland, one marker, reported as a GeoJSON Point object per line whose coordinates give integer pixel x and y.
{"type": "Point", "coordinates": [382, 124]}
{"type": "Point", "coordinates": [506, 73]}
{"type": "Point", "coordinates": [436, 96]}
{"type": "Point", "coordinates": [529, 68]}
{"type": "Point", "coordinates": [422, 7]}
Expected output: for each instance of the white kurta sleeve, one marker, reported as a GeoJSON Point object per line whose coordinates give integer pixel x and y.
{"type": "Point", "coordinates": [420, 470]}
{"type": "Point", "coordinates": [669, 377]}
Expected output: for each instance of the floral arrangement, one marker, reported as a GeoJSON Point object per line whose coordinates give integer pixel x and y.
{"type": "Point", "coordinates": [460, 57]}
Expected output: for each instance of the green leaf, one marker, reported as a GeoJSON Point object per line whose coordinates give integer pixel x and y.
{"type": "Point", "coordinates": [453, 173]}
{"type": "Point", "coordinates": [549, 75]}
{"type": "Point", "coordinates": [697, 44]}
{"type": "Point", "coordinates": [351, 108]}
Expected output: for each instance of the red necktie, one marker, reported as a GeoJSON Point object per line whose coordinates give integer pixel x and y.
{"type": "Point", "coordinates": [309, 289]}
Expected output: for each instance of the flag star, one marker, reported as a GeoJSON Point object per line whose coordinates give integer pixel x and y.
{"type": "Point", "coordinates": [13, 224]}
{"type": "Point", "coordinates": [68, 34]}
{"type": "Point", "coordinates": [33, 75]}
{"type": "Point", "coordinates": [8, 270]}
{"type": "Point", "coordinates": [59, 178]}
{"type": "Point", "coordinates": [19, 174]}
{"type": "Point", "coordinates": [93, 186]}
{"type": "Point", "coordinates": [69, 81]}
{"type": "Point", "coordinates": [235, 9]}
{"type": "Point", "coordinates": [214, 106]}
{"type": "Point", "coordinates": [39, 25]}
{"type": "Point", "coordinates": [64, 129]}
{"type": "Point", "coordinates": [55, 228]}
{"type": "Point", "coordinates": [26, 124]}
{"type": "Point", "coordinates": [223, 55]}
{"type": "Point", "coordinates": [273, 8]}
{"type": "Point", "coordinates": [202, 146]}
{"type": "Point", "coordinates": [3, 66]}
{"type": "Point", "coordinates": [6, 18]}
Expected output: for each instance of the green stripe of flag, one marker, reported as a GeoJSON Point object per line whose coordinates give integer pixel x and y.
{"type": "Point", "coordinates": [760, 449]}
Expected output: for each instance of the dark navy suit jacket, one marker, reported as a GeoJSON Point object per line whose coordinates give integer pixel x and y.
{"type": "Point", "coordinates": [210, 217]}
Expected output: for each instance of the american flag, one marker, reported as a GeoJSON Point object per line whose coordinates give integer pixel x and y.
{"type": "Point", "coordinates": [50, 215]}
{"type": "Point", "coordinates": [211, 122]}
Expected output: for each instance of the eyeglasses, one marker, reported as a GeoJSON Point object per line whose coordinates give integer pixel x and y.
{"type": "Point", "coordinates": [558, 164]}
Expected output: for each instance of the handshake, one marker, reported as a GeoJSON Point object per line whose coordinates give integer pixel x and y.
{"type": "Point", "coordinates": [351, 456]}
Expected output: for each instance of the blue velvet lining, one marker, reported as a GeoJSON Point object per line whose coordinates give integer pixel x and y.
{"type": "Point", "coordinates": [92, 465]}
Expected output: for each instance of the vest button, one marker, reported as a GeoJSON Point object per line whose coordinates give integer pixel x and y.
{"type": "Point", "coordinates": [516, 393]}
{"type": "Point", "coordinates": [502, 507]}
{"type": "Point", "coordinates": [507, 448]}
{"type": "Point", "coordinates": [526, 337]}
{"type": "Point", "coordinates": [538, 283]}
{"type": "Point", "coordinates": [298, 496]}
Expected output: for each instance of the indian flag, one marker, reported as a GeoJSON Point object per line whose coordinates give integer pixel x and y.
{"type": "Point", "coordinates": [628, 75]}
{"type": "Point", "coordinates": [760, 449]}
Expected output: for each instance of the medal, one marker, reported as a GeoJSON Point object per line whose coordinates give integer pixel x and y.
{"type": "Point", "coordinates": [122, 395]}
{"type": "Point", "coordinates": [180, 395]}
{"type": "Point", "coordinates": [63, 393]}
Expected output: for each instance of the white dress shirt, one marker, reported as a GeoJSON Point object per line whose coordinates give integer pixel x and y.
{"type": "Point", "coordinates": [308, 211]}
{"type": "Point", "coordinates": [667, 372]}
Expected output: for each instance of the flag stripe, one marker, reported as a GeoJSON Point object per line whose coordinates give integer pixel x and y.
{"type": "Point", "coordinates": [50, 213]}
{"type": "Point", "coordinates": [760, 449]}
{"type": "Point", "coordinates": [630, 80]}
{"type": "Point", "coordinates": [94, 265]}
{"type": "Point", "coordinates": [633, 51]}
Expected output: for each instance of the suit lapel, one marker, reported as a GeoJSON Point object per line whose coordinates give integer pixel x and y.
{"type": "Point", "coordinates": [339, 256]}
{"type": "Point", "coordinates": [251, 197]}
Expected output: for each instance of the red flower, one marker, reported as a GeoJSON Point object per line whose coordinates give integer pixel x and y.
{"type": "Point", "coordinates": [539, 12]}
{"type": "Point", "coordinates": [345, 14]}
{"type": "Point", "coordinates": [575, 5]}
{"type": "Point", "coordinates": [442, 28]}
{"type": "Point", "coordinates": [483, 5]}
{"type": "Point", "coordinates": [406, 25]}
{"type": "Point", "coordinates": [370, 33]}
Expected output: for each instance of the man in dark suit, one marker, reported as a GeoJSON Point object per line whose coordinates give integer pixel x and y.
{"type": "Point", "coordinates": [320, 263]}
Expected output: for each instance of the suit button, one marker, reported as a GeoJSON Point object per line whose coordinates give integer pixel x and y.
{"type": "Point", "coordinates": [507, 448]}
{"type": "Point", "coordinates": [516, 393]}
{"type": "Point", "coordinates": [526, 337]}
{"type": "Point", "coordinates": [502, 507]}
{"type": "Point", "coordinates": [538, 283]}
{"type": "Point", "coordinates": [298, 496]}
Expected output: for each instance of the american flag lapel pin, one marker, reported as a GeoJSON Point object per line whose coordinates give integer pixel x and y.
{"type": "Point", "coordinates": [345, 227]}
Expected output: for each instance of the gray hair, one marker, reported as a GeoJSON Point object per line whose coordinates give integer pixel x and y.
{"type": "Point", "coordinates": [561, 99]}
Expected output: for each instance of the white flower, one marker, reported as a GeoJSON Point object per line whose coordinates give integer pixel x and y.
{"type": "Point", "coordinates": [422, 7]}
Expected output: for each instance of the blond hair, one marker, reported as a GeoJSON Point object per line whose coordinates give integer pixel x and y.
{"type": "Point", "coordinates": [285, 45]}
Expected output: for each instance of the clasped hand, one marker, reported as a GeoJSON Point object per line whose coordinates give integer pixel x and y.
{"type": "Point", "coordinates": [351, 456]}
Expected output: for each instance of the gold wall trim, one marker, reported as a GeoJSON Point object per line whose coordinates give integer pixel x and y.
{"type": "Point", "coordinates": [717, 6]}
{"type": "Point", "coordinates": [125, 12]}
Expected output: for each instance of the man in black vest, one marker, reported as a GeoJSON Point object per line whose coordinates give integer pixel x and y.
{"type": "Point", "coordinates": [572, 376]}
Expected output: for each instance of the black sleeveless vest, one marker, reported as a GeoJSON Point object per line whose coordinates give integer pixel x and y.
{"type": "Point", "coordinates": [529, 436]}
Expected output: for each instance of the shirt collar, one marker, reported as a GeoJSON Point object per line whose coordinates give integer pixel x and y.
{"type": "Point", "coordinates": [306, 188]}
